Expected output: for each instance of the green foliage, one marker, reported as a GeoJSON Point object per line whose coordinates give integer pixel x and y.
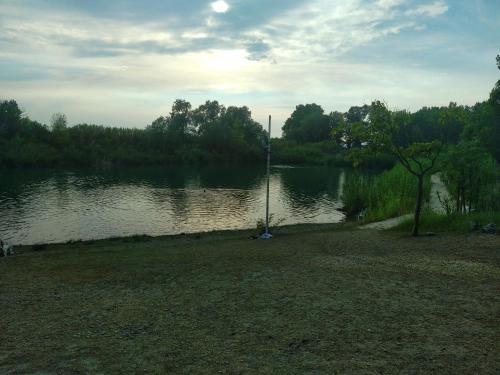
{"type": "Point", "coordinates": [471, 177]}
{"type": "Point", "coordinates": [10, 119]}
{"type": "Point", "coordinates": [485, 125]}
{"type": "Point", "coordinates": [307, 123]}
{"type": "Point", "coordinates": [210, 133]}
{"type": "Point", "coordinates": [231, 131]}
{"type": "Point", "coordinates": [382, 196]}
{"type": "Point", "coordinates": [355, 194]}
{"type": "Point", "coordinates": [393, 133]}
{"type": "Point", "coordinates": [489, 200]}
{"type": "Point", "coordinates": [349, 128]}
{"type": "Point", "coordinates": [318, 153]}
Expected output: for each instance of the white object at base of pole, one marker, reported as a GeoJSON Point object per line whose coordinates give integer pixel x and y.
{"type": "Point", "coordinates": [266, 236]}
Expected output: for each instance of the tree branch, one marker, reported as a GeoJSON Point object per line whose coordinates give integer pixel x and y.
{"type": "Point", "coordinates": [404, 161]}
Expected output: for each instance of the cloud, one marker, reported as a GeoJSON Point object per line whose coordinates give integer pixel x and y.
{"type": "Point", "coordinates": [434, 9]}
{"type": "Point", "coordinates": [324, 30]}
{"type": "Point", "coordinates": [126, 54]}
{"type": "Point", "coordinates": [257, 50]}
{"type": "Point", "coordinates": [317, 29]}
{"type": "Point", "coordinates": [387, 4]}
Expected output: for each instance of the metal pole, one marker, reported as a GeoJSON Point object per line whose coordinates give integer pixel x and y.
{"type": "Point", "coordinates": [268, 235]}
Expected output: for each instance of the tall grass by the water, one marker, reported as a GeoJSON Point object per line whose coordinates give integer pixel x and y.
{"type": "Point", "coordinates": [456, 223]}
{"type": "Point", "coordinates": [379, 197]}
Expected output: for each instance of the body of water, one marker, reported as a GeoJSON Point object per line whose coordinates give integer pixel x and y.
{"type": "Point", "coordinates": [41, 206]}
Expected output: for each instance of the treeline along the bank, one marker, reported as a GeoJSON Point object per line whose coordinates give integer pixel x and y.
{"type": "Point", "coordinates": [213, 133]}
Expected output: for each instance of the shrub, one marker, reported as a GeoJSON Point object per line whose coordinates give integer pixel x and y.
{"type": "Point", "coordinates": [389, 194]}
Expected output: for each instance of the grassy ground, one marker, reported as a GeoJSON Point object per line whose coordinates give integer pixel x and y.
{"type": "Point", "coordinates": [316, 301]}
{"type": "Point", "coordinates": [456, 223]}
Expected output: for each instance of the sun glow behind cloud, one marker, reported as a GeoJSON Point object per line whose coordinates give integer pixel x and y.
{"type": "Point", "coordinates": [132, 63]}
{"type": "Point", "coordinates": [220, 6]}
{"type": "Point", "coordinates": [225, 60]}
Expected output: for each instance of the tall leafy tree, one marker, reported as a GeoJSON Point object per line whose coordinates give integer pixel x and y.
{"type": "Point", "coordinates": [180, 125]}
{"type": "Point", "coordinates": [485, 122]}
{"type": "Point", "coordinates": [391, 132]}
{"type": "Point", "coordinates": [350, 129]}
{"type": "Point", "coordinates": [307, 123]}
{"type": "Point", "coordinates": [469, 172]}
{"type": "Point", "coordinates": [207, 114]}
{"type": "Point", "coordinates": [233, 134]}
{"type": "Point", "coordinates": [157, 132]}
{"type": "Point", "coordinates": [10, 118]}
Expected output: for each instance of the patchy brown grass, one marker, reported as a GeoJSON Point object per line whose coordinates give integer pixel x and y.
{"type": "Point", "coordinates": [308, 301]}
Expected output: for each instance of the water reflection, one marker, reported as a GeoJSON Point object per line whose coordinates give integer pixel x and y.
{"type": "Point", "coordinates": [54, 206]}
{"type": "Point", "coordinates": [307, 188]}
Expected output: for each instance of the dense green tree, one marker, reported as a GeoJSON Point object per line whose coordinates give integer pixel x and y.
{"type": "Point", "coordinates": [207, 114]}
{"type": "Point", "coordinates": [159, 126]}
{"type": "Point", "coordinates": [357, 114]}
{"type": "Point", "coordinates": [157, 133]}
{"type": "Point", "coordinates": [485, 127]}
{"type": "Point", "coordinates": [233, 132]}
{"type": "Point", "coordinates": [485, 122]}
{"type": "Point", "coordinates": [350, 129]}
{"type": "Point", "coordinates": [179, 126]}
{"type": "Point", "coordinates": [10, 118]}
{"type": "Point", "coordinates": [452, 119]}
{"type": "Point", "coordinates": [491, 131]}
{"type": "Point", "coordinates": [337, 122]}
{"type": "Point", "coordinates": [307, 123]}
{"type": "Point", "coordinates": [469, 172]}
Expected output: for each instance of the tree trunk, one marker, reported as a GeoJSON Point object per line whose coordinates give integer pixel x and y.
{"type": "Point", "coordinates": [418, 206]}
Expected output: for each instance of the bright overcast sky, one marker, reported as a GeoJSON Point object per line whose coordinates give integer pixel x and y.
{"type": "Point", "coordinates": [123, 62]}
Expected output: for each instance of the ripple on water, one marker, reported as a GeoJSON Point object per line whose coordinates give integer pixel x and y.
{"type": "Point", "coordinates": [71, 206]}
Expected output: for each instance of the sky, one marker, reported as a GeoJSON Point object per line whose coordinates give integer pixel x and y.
{"type": "Point", "coordinates": [124, 62]}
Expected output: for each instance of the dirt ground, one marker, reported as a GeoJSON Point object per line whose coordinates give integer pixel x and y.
{"type": "Point", "coordinates": [317, 301]}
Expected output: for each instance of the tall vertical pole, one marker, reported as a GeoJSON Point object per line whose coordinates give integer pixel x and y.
{"type": "Point", "coordinates": [268, 235]}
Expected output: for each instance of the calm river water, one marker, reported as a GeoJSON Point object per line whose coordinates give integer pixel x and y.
{"type": "Point", "coordinates": [41, 206]}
